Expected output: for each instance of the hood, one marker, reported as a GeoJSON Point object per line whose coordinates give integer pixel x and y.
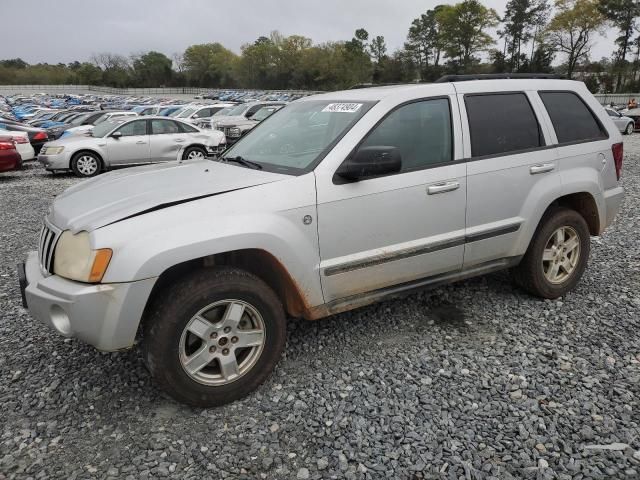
{"type": "Point", "coordinates": [129, 192]}
{"type": "Point", "coordinates": [75, 139]}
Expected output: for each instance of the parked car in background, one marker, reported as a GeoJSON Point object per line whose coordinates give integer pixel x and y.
{"type": "Point", "coordinates": [233, 132]}
{"type": "Point", "coordinates": [202, 113]}
{"type": "Point", "coordinates": [22, 144]}
{"type": "Point", "coordinates": [103, 116]}
{"type": "Point", "coordinates": [37, 136]}
{"type": "Point", "coordinates": [124, 142]}
{"type": "Point", "coordinates": [147, 110]}
{"type": "Point", "coordinates": [337, 201]}
{"type": "Point", "coordinates": [625, 124]}
{"type": "Point", "coordinates": [239, 114]}
{"type": "Point", "coordinates": [9, 157]}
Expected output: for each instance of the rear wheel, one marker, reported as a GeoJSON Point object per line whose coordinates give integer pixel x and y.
{"type": "Point", "coordinates": [194, 153]}
{"type": "Point", "coordinates": [214, 337]}
{"type": "Point", "coordinates": [557, 255]}
{"type": "Point", "coordinates": [629, 129]}
{"type": "Point", "coordinates": [86, 164]}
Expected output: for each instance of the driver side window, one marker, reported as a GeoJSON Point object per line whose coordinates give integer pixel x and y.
{"type": "Point", "coordinates": [137, 127]}
{"type": "Point", "coordinates": [421, 131]}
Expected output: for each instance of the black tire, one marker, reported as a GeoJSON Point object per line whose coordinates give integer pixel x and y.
{"type": "Point", "coordinates": [629, 129]}
{"type": "Point", "coordinates": [81, 164]}
{"type": "Point", "coordinates": [191, 150]}
{"type": "Point", "coordinates": [529, 274]}
{"type": "Point", "coordinates": [170, 314]}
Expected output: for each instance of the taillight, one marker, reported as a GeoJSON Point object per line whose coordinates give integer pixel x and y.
{"type": "Point", "coordinates": [40, 136]}
{"type": "Point", "coordinates": [4, 145]}
{"type": "Point", "coordinates": [617, 151]}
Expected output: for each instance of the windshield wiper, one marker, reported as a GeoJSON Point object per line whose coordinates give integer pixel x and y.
{"type": "Point", "coordinates": [242, 161]}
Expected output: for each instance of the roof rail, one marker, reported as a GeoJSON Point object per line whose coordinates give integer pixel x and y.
{"type": "Point", "coordinates": [372, 85]}
{"type": "Point", "coordinates": [498, 76]}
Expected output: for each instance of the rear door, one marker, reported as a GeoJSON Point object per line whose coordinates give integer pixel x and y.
{"type": "Point", "coordinates": [166, 140]}
{"type": "Point", "coordinates": [512, 168]}
{"type": "Point", "coordinates": [132, 147]}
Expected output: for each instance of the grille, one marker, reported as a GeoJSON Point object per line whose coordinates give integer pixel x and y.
{"type": "Point", "coordinates": [48, 240]}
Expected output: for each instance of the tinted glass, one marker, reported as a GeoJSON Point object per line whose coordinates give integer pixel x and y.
{"type": "Point", "coordinates": [163, 126]}
{"type": "Point", "coordinates": [420, 130]}
{"type": "Point", "coordinates": [611, 113]}
{"type": "Point", "coordinates": [501, 123]}
{"type": "Point", "coordinates": [571, 118]}
{"type": "Point", "coordinates": [137, 127]}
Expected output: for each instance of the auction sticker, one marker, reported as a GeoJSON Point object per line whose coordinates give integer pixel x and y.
{"type": "Point", "coordinates": [342, 107]}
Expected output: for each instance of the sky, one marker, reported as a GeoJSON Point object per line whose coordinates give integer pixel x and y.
{"type": "Point", "coordinates": [67, 30]}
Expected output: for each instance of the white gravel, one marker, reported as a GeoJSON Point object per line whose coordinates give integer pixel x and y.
{"type": "Point", "coordinates": [472, 381]}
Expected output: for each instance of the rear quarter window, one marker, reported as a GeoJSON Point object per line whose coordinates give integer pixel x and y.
{"type": "Point", "coordinates": [572, 120]}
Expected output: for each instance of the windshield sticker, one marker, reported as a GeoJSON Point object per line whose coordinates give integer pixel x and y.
{"type": "Point", "coordinates": [342, 107]}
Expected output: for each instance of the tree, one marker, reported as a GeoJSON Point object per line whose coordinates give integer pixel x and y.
{"type": "Point", "coordinates": [378, 49]}
{"type": "Point", "coordinates": [463, 31]}
{"type": "Point", "coordinates": [572, 28]}
{"type": "Point", "coordinates": [622, 14]}
{"type": "Point", "coordinates": [424, 43]}
{"type": "Point", "coordinates": [210, 65]}
{"type": "Point", "coordinates": [152, 69]}
{"type": "Point", "coordinates": [522, 19]}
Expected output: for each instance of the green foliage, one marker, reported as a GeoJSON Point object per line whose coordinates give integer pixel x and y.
{"type": "Point", "coordinates": [152, 69]}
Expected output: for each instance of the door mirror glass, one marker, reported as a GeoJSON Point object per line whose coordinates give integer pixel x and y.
{"type": "Point", "coordinates": [116, 135]}
{"type": "Point", "coordinates": [370, 162]}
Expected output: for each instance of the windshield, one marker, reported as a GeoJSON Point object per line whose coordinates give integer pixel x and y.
{"type": "Point", "coordinates": [103, 128]}
{"type": "Point", "coordinates": [239, 110]}
{"type": "Point", "coordinates": [264, 113]}
{"type": "Point", "coordinates": [223, 112]}
{"type": "Point", "coordinates": [295, 138]}
{"type": "Point", "coordinates": [177, 112]}
{"type": "Point", "coordinates": [186, 112]}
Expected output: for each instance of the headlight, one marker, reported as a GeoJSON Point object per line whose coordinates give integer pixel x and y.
{"type": "Point", "coordinates": [234, 132]}
{"type": "Point", "coordinates": [53, 150]}
{"type": "Point", "coordinates": [74, 259]}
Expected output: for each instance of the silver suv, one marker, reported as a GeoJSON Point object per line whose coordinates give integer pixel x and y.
{"type": "Point", "coordinates": [338, 201]}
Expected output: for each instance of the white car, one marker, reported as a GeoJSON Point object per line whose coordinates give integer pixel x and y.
{"type": "Point", "coordinates": [21, 139]}
{"type": "Point", "coordinates": [625, 124]}
{"type": "Point", "coordinates": [107, 117]}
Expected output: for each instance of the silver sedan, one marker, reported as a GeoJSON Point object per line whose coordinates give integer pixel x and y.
{"type": "Point", "coordinates": [624, 124]}
{"type": "Point", "coordinates": [123, 142]}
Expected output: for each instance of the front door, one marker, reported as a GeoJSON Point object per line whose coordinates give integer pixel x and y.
{"type": "Point", "coordinates": [390, 230]}
{"type": "Point", "coordinates": [132, 146]}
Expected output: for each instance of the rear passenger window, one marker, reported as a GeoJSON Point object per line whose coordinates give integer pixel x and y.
{"type": "Point", "coordinates": [420, 130]}
{"type": "Point", "coordinates": [571, 118]}
{"type": "Point", "coordinates": [501, 123]}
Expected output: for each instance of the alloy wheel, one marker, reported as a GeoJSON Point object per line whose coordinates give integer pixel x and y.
{"type": "Point", "coordinates": [561, 255]}
{"type": "Point", "coordinates": [87, 165]}
{"type": "Point", "coordinates": [222, 342]}
{"type": "Point", "coordinates": [195, 155]}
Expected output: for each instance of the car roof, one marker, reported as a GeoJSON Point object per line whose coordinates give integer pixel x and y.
{"type": "Point", "coordinates": [426, 89]}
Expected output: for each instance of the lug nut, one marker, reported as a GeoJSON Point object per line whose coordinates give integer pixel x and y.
{"type": "Point", "coordinates": [225, 351]}
{"type": "Point", "coordinates": [234, 339]}
{"type": "Point", "coordinates": [214, 335]}
{"type": "Point", "coordinates": [227, 329]}
{"type": "Point", "coordinates": [212, 349]}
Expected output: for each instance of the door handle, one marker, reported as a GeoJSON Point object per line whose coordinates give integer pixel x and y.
{"type": "Point", "coordinates": [542, 168]}
{"type": "Point", "coordinates": [442, 187]}
{"type": "Point", "coordinates": [179, 140]}
{"type": "Point", "coordinates": [140, 142]}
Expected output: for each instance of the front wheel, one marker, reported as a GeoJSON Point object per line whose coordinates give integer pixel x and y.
{"type": "Point", "coordinates": [557, 255]}
{"type": "Point", "coordinates": [86, 164]}
{"type": "Point", "coordinates": [214, 337]}
{"type": "Point", "coordinates": [629, 129]}
{"type": "Point", "coordinates": [194, 153]}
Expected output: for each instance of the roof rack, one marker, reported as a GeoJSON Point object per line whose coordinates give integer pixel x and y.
{"type": "Point", "coordinates": [498, 76]}
{"type": "Point", "coordinates": [372, 85]}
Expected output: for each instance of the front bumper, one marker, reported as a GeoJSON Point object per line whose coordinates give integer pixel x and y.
{"type": "Point", "coordinates": [54, 162]}
{"type": "Point", "coordinates": [103, 315]}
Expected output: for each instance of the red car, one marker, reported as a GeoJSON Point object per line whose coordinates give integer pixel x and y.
{"type": "Point", "coordinates": [9, 156]}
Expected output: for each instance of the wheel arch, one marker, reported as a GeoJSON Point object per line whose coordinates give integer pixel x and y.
{"type": "Point", "coordinates": [585, 204]}
{"type": "Point", "coordinates": [259, 262]}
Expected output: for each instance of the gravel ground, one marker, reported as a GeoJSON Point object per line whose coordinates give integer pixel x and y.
{"type": "Point", "coordinates": [472, 381]}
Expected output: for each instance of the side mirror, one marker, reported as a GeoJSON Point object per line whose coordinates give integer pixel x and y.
{"type": "Point", "coordinates": [116, 135]}
{"type": "Point", "coordinates": [369, 162]}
